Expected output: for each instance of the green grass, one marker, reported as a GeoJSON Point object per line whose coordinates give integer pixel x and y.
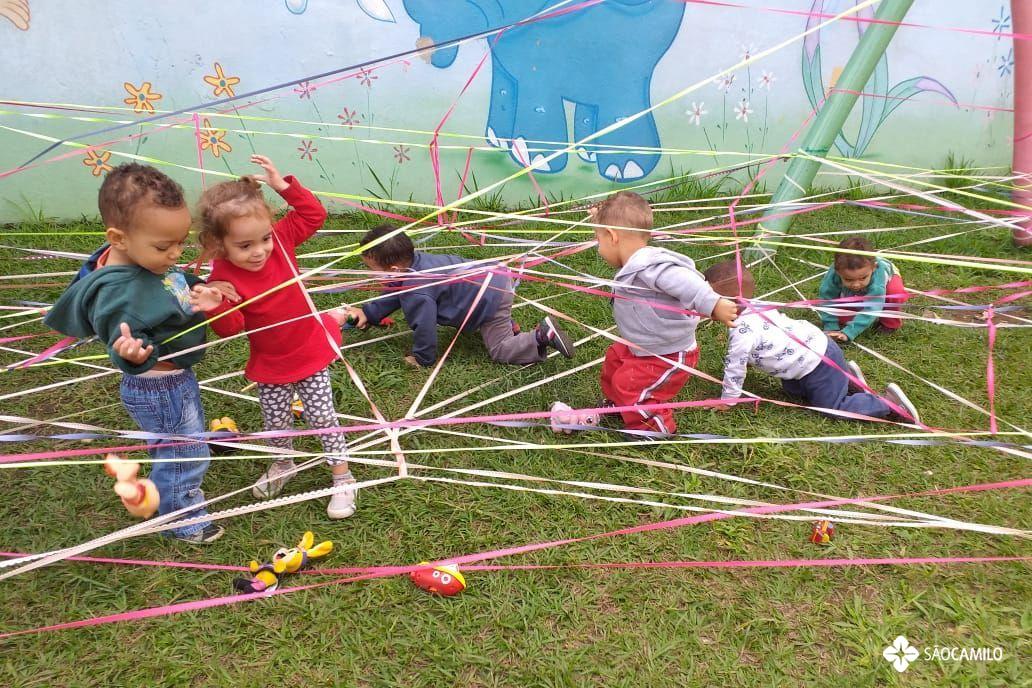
{"type": "Point", "coordinates": [565, 627]}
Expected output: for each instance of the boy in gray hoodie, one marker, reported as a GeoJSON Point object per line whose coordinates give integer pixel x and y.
{"type": "Point", "coordinates": [657, 302]}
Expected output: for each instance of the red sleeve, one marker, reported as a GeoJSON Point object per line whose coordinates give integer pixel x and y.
{"type": "Point", "coordinates": [226, 325]}
{"type": "Point", "coordinates": [306, 214]}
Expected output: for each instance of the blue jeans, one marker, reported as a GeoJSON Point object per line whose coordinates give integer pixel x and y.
{"type": "Point", "coordinates": [828, 388]}
{"type": "Point", "coordinates": [171, 404]}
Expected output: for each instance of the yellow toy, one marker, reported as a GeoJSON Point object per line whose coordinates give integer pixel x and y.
{"type": "Point", "coordinates": [225, 425]}
{"type": "Point", "coordinates": [139, 495]}
{"type": "Point", "coordinates": [266, 577]}
{"type": "Point", "coordinates": [298, 409]}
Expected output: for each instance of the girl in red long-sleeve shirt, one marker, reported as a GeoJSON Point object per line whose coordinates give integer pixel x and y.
{"type": "Point", "coordinates": [291, 347]}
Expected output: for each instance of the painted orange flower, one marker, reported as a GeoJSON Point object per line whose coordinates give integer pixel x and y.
{"type": "Point", "coordinates": [222, 84]}
{"type": "Point", "coordinates": [211, 138]}
{"type": "Point", "coordinates": [98, 164]}
{"type": "Point", "coordinates": [141, 98]}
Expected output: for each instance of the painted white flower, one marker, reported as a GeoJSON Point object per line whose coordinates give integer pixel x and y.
{"type": "Point", "coordinates": [742, 110]}
{"type": "Point", "coordinates": [724, 83]}
{"type": "Point", "coordinates": [747, 50]}
{"type": "Point", "coordinates": [767, 79]}
{"type": "Point", "coordinates": [696, 112]}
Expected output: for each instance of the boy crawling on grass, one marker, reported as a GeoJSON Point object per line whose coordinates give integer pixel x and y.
{"type": "Point", "coordinates": [808, 362]}
{"type": "Point", "coordinates": [434, 289]}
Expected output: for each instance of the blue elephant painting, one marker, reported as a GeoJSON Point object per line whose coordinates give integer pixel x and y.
{"type": "Point", "coordinates": [600, 58]}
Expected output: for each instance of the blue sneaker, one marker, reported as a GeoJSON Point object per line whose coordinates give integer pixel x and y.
{"type": "Point", "coordinates": [205, 536]}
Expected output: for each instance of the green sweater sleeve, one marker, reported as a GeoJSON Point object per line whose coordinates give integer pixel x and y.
{"type": "Point", "coordinates": [99, 304]}
{"type": "Point", "coordinates": [113, 332]}
{"type": "Point", "coordinates": [106, 313]}
{"type": "Point", "coordinates": [830, 290]}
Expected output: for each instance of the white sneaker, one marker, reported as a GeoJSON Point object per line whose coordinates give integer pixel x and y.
{"type": "Point", "coordinates": [342, 504]}
{"type": "Point", "coordinates": [272, 481]}
{"type": "Point", "coordinates": [894, 394]}
{"type": "Point", "coordinates": [854, 369]}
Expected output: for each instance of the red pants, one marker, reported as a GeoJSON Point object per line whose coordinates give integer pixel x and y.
{"type": "Point", "coordinates": [895, 294]}
{"type": "Point", "coordinates": [629, 380]}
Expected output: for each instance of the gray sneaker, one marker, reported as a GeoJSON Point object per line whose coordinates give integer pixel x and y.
{"type": "Point", "coordinates": [272, 481]}
{"type": "Point", "coordinates": [550, 334]}
{"type": "Point", "coordinates": [205, 536]}
{"type": "Point", "coordinates": [854, 369]}
{"type": "Point", "coordinates": [894, 394]}
{"type": "Point", "coordinates": [342, 504]}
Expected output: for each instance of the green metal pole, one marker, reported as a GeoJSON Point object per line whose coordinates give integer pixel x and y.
{"type": "Point", "coordinates": [829, 120]}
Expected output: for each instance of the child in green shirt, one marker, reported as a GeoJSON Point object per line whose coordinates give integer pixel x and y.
{"type": "Point", "coordinates": [854, 275]}
{"type": "Point", "coordinates": [134, 301]}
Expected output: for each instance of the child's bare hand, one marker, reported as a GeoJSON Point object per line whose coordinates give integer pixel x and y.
{"type": "Point", "coordinates": [205, 298]}
{"type": "Point", "coordinates": [352, 317]}
{"type": "Point", "coordinates": [229, 292]}
{"type": "Point", "coordinates": [725, 312]}
{"type": "Point", "coordinates": [411, 360]}
{"type": "Point", "coordinates": [130, 348]}
{"type": "Point", "coordinates": [359, 317]}
{"type": "Point", "coordinates": [272, 177]}
{"type": "Point", "coordinates": [838, 336]}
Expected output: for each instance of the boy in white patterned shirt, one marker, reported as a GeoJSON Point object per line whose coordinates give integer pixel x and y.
{"type": "Point", "coordinates": [792, 350]}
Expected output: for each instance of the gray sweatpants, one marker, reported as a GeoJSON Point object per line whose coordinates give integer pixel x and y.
{"type": "Point", "coordinates": [502, 345]}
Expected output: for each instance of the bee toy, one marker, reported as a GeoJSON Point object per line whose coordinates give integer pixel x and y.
{"type": "Point", "coordinates": [266, 577]}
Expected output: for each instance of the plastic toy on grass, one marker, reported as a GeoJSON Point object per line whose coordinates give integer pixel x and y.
{"type": "Point", "coordinates": [228, 427]}
{"type": "Point", "coordinates": [139, 495]}
{"type": "Point", "coordinates": [349, 324]}
{"type": "Point", "coordinates": [224, 424]}
{"type": "Point", "coordinates": [444, 580]}
{"type": "Point", "coordinates": [266, 577]}
{"type": "Point", "coordinates": [563, 417]}
{"type": "Point", "coordinates": [822, 533]}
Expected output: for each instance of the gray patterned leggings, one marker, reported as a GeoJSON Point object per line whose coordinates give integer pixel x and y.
{"type": "Point", "coordinates": [317, 397]}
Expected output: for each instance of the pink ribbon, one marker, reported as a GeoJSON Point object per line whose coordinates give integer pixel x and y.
{"type": "Point", "coordinates": [990, 370]}
{"type": "Point", "coordinates": [46, 353]}
{"type": "Point", "coordinates": [383, 571]}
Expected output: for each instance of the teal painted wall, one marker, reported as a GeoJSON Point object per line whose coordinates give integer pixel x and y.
{"type": "Point", "coordinates": [549, 81]}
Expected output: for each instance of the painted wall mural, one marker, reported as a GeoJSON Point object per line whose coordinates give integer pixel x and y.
{"type": "Point", "coordinates": [582, 58]}
{"type": "Point", "coordinates": [438, 124]}
{"type": "Point", "coordinates": [877, 101]}
{"type": "Point", "coordinates": [16, 12]}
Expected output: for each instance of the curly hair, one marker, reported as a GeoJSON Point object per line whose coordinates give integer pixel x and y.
{"type": "Point", "coordinates": [852, 261]}
{"type": "Point", "coordinates": [224, 203]}
{"type": "Point", "coordinates": [132, 186]}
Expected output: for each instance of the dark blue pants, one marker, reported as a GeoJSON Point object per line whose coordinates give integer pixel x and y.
{"type": "Point", "coordinates": [828, 388]}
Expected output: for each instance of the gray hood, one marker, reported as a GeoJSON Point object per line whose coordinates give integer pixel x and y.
{"type": "Point", "coordinates": [653, 286]}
